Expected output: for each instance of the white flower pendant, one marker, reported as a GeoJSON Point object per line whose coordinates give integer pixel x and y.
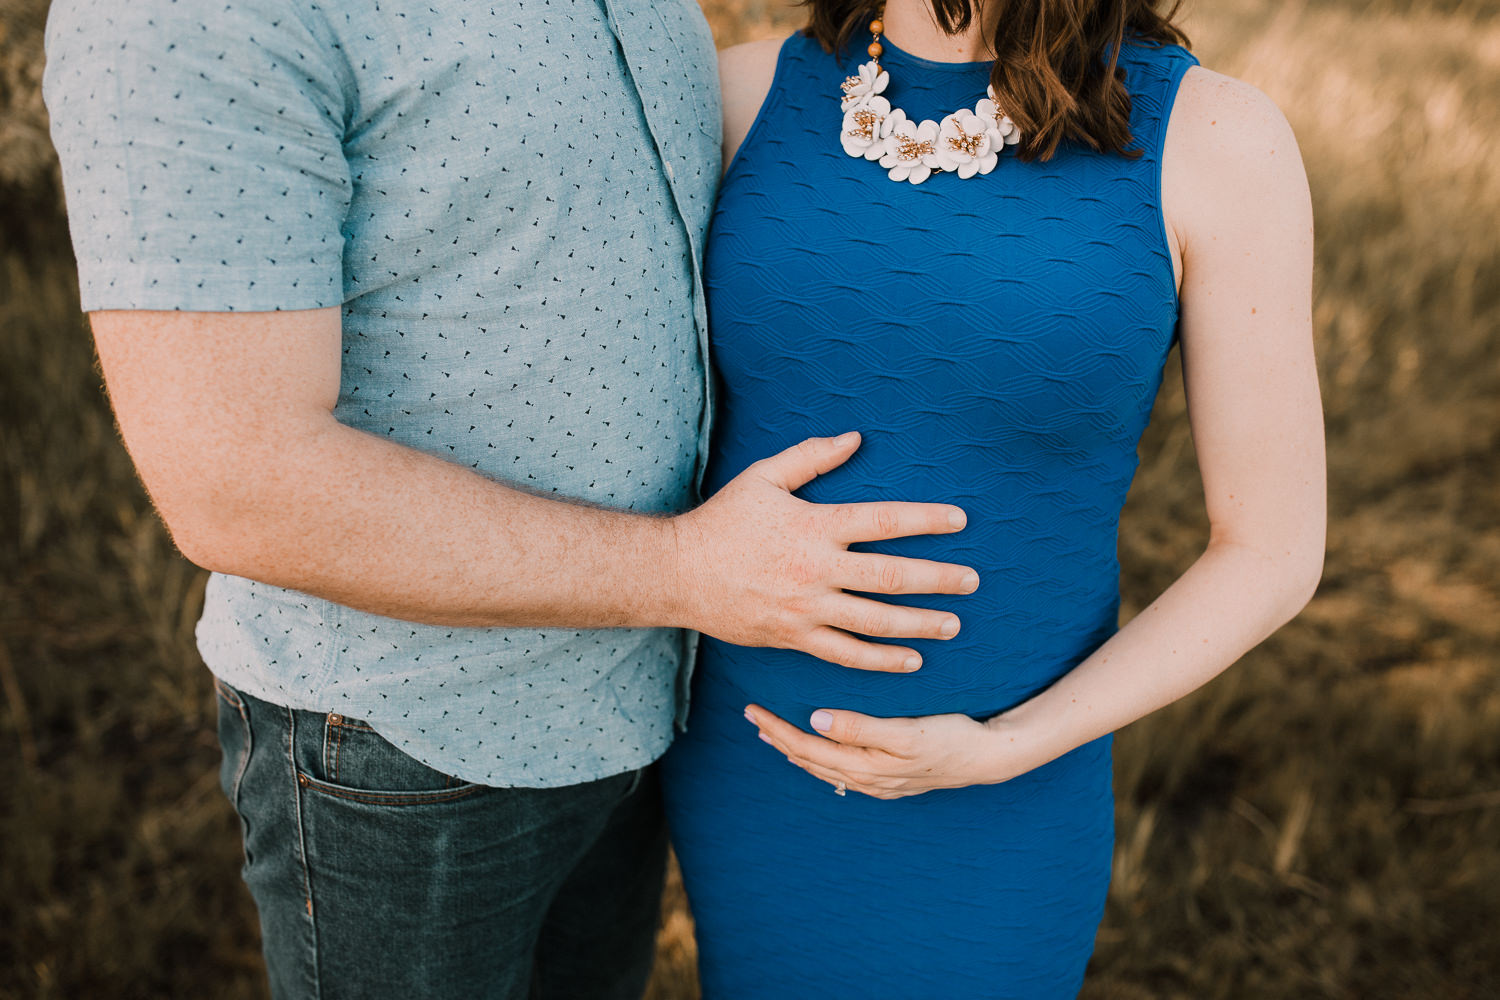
{"type": "Point", "coordinates": [967, 142]}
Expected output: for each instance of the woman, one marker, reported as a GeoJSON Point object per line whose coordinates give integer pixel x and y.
{"type": "Point", "coordinates": [989, 298]}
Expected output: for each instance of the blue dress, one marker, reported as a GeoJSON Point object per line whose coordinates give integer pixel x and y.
{"type": "Point", "coordinates": [999, 341]}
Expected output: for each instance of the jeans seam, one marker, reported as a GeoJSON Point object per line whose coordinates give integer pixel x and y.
{"type": "Point", "coordinates": [312, 923]}
{"type": "Point", "coordinates": [234, 701]}
{"type": "Point", "coordinates": [333, 746]}
{"type": "Point", "coordinates": [244, 764]}
{"type": "Point", "coordinates": [391, 799]}
{"type": "Point", "coordinates": [635, 783]}
{"type": "Point", "coordinates": [228, 694]}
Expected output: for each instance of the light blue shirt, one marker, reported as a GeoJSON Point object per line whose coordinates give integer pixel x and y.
{"type": "Point", "coordinates": [508, 202]}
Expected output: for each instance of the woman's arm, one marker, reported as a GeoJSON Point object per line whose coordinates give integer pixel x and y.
{"type": "Point", "coordinates": [1238, 211]}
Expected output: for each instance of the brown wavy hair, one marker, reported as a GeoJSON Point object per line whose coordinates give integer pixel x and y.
{"type": "Point", "coordinates": [1056, 72]}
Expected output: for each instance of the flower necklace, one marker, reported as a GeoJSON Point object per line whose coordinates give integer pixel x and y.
{"type": "Point", "coordinates": [965, 142]}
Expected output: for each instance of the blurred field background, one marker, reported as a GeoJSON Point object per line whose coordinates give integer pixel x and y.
{"type": "Point", "coordinates": [1322, 821]}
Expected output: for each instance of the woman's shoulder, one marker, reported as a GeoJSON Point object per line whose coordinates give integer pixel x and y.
{"type": "Point", "coordinates": [746, 75]}
{"type": "Point", "coordinates": [1228, 123]}
{"type": "Point", "coordinates": [1230, 162]}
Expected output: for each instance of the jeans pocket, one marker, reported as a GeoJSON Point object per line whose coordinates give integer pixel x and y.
{"type": "Point", "coordinates": [351, 761]}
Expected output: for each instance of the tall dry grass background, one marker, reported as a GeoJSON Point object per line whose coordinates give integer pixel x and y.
{"type": "Point", "coordinates": [1322, 821]}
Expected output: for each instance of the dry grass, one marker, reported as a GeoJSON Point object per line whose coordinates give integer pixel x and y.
{"type": "Point", "coordinates": [1323, 821]}
{"type": "Point", "coordinates": [25, 152]}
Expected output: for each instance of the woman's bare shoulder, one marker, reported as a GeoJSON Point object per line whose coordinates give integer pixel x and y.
{"type": "Point", "coordinates": [745, 75]}
{"type": "Point", "coordinates": [1230, 157]}
{"type": "Point", "coordinates": [1226, 114]}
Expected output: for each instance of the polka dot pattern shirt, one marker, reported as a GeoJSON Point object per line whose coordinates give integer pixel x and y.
{"type": "Point", "coordinates": [507, 201]}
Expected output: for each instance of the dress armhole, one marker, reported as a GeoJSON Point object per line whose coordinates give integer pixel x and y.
{"type": "Point", "coordinates": [1168, 103]}
{"type": "Point", "coordinates": [767, 105]}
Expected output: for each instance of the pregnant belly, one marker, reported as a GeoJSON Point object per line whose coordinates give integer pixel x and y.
{"type": "Point", "coordinates": [1041, 535]}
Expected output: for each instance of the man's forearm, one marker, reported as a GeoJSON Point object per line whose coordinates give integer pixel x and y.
{"type": "Point", "coordinates": [229, 418]}
{"type": "Point", "coordinates": [350, 517]}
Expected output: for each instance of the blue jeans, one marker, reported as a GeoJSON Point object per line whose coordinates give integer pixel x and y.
{"type": "Point", "coordinates": [377, 876]}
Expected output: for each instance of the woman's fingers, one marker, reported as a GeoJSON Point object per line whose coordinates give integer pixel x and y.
{"type": "Point", "coordinates": [874, 786]}
{"type": "Point", "coordinates": [868, 754]}
{"type": "Point", "coordinates": [833, 778]}
{"type": "Point", "coordinates": [886, 758]}
{"type": "Point", "coordinates": [896, 737]}
{"type": "Point", "coordinates": [851, 761]}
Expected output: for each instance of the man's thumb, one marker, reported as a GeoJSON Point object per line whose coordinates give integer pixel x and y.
{"type": "Point", "coordinates": [804, 461]}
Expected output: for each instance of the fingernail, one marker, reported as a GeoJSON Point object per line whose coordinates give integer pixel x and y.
{"type": "Point", "coordinates": [748, 717]}
{"type": "Point", "coordinates": [846, 437]}
{"type": "Point", "coordinates": [958, 518]}
{"type": "Point", "coordinates": [913, 663]}
{"type": "Point", "coordinates": [949, 628]}
{"type": "Point", "coordinates": [764, 738]}
{"type": "Point", "coordinates": [822, 720]}
{"type": "Point", "coordinates": [970, 583]}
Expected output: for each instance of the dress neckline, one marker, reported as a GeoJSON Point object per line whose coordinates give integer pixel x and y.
{"type": "Point", "coordinates": [904, 58]}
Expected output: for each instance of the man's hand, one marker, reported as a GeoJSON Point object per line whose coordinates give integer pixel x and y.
{"type": "Point", "coordinates": [760, 567]}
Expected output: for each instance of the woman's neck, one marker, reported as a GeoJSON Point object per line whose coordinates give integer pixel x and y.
{"type": "Point", "coordinates": [911, 27]}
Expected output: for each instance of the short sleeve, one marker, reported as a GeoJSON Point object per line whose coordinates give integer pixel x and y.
{"type": "Point", "coordinates": [202, 153]}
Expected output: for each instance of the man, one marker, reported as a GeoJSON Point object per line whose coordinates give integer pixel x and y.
{"type": "Point", "coordinates": [399, 309]}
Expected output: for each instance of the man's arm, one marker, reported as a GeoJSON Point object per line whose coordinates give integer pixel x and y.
{"type": "Point", "coordinates": [229, 418]}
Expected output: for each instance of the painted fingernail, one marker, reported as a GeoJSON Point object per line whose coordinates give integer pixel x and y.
{"type": "Point", "coordinates": [913, 663]}
{"type": "Point", "coordinates": [822, 720]}
{"type": "Point", "coordinates": [748, 717]}
{"type": "Point", "coordinates": [958, 518]}
{"type": "Point", "coordinates": [969, 583]}
{"type": "Point", "coordinates": [764, 738]}
{"type": "Point", "coordinates": [949, 628]}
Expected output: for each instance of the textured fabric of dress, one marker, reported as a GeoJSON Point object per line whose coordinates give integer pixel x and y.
{"type": "Point", "coordinates": [998, 341]}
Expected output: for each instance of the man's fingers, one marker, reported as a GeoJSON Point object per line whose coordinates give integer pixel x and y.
{"type": "Point", "coordinates": [882, 574]}
{"type": "Point", "coordinates": [892, 621]}
{"type": "Point", "coordinates": [844, 650]}
{"type": "Point", "coordinates": [877, 521]}
{"type": "Point", "coordinates": [804, 461]}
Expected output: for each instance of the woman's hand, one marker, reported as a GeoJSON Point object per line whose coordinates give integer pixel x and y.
{"type": "Point", "coordinates": [893, 758]}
